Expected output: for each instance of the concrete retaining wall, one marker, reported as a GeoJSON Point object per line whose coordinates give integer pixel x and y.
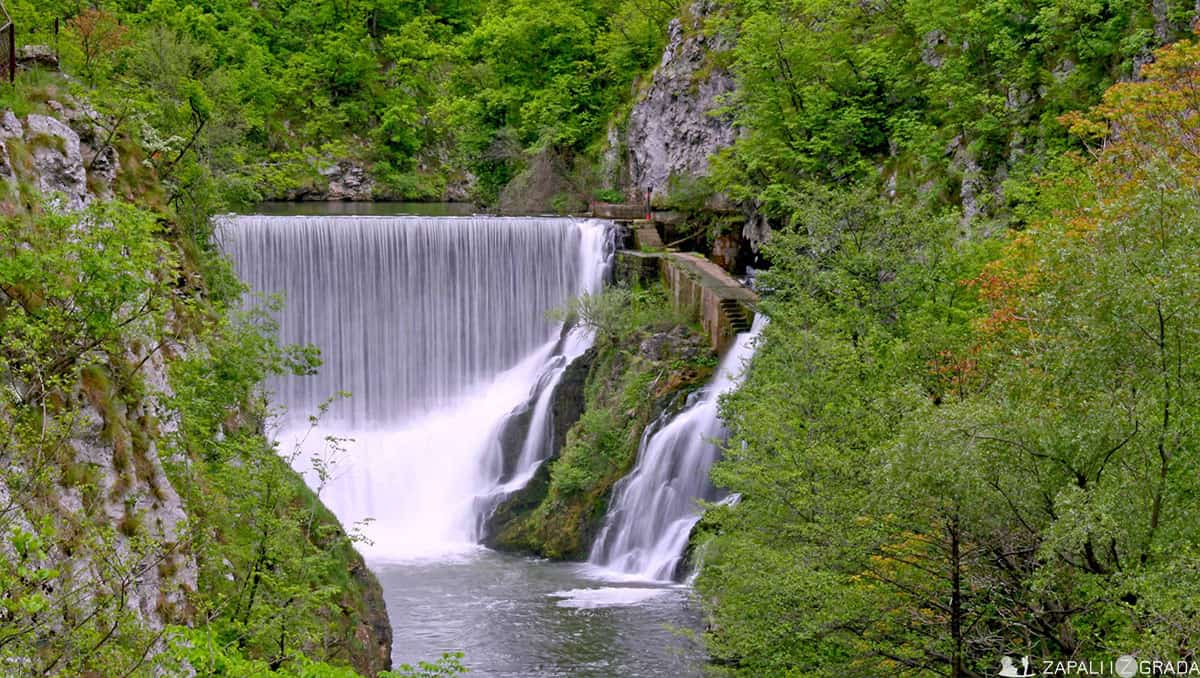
{"type": "Point", "coordinates": [723, 306]}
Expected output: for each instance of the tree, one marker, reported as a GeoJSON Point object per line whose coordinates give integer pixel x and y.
{"type": "Point", "coordinates": [74, 288]}
{"type": "Point", "coordinates": [99, 35]}
{"type": "Point", "coordinates": [947, 452]}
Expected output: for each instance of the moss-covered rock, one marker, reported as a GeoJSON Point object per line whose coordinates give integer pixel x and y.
{"type": "Point", "coordinates": [626, 385]}
{"type": "Point", "coordinates": [135, 468]}
{"type": "Point", "coordinates": [566, 409]}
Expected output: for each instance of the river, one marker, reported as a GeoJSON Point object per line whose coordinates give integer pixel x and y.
{"type": "Point", "coordinates": [437, 323]}
{"type": "Point", "coordinates": [514, 616]}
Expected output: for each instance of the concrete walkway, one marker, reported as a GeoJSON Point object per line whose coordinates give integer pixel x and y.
{"type": "Point", "coordinates": [722, 305]}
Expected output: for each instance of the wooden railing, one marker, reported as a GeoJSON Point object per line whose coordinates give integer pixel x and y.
{"type": "Point", "coordinates": [619, 211]}
{"type": "Point", "coordinates": [8, 45]}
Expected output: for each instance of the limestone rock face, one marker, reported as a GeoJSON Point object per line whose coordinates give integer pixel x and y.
{"type": "Point", "coordinates": [460, 187]}
{"type": "Point", "coordinates": [135, 491]}
{"type": "Point", "coordinates": [64, 155]}
{"type": "Point", "coordinates": [613, 169]}
{"type": "Point", "coordinates": [348, 181]}
{"type": "Point", "coordinates": [10, 128]}
{"type": "Point", "coordinates": [42, 56]}
{"type": "Point", "coordinates": [113, 441]}
{"type": "Point", "coordinates": [672, 131]}
{"type": "Point", "coordinates": [57, 163]}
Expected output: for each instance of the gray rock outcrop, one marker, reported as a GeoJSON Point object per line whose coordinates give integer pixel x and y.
{"type": "Point", "coordinates": [47, 151]}
{"type": "Point", "coordinates": [566, 409]}
{"type": "Point", "coordinates": [57, 161]}
{"type": "Point", "coordinates": [64, 156]}
{"type": "Point", "coordinates": [348, 181]}
{"type": "Point", "coordinates": [672, 130]}
{"type": "Point", "coordinates": [136, 495]}
{"type": "Point", "coordinates": [41, 56]}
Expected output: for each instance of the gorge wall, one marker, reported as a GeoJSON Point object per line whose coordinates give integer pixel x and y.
{"type": "Point", "coordinates": [113, 448]}
{"type": "Point", "coordinates": [674, 126]}
{"type": "Point", "coordinates": [131, 491]}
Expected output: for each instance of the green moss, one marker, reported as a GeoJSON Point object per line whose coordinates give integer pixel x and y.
{"type": "Point", "coordinates": [136, 178]}
{"type": "Point", "coordinates": [73, 474]}
{"type": "Point", "coordinates": [127, 425]}
{"type": "Point", "coordinates": [20, 155]}
{"type": "Point", "coordinates": [90, 492]}
{"type": "Point", "coordinates": [43, 140]}
{"type": "Point", "coordinates": [131, 521]}
{"type": "Point", "coordinates": [625, 391]}
{"type": "Point", "coordinates": [97, 388]}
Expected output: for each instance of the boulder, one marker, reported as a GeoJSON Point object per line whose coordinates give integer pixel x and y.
{"type": "Point", "coordinates": [566, 409]}
{"type": "Point", "coordinates": [57, 161]}
{"type": "Point", "coordinates": [348, 181]}
{"type": "Point", "coordinates": [37, 56]}
{"type": "Point", "coordinates": [10, 128]}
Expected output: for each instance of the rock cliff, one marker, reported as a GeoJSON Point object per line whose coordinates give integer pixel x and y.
{"type": "Point", "coordinates": [114, 493]}
{"type": "Point", "coordinates": [674, 127]}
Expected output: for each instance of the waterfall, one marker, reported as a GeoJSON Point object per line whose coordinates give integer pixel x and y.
{"type": "Point", "coordinates": [655, 507]}
{"type": "Point", "coordinates": [438, 329]}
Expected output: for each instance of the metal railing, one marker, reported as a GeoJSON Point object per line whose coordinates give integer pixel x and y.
{"type": "Point", "coordinates": [8, 45]}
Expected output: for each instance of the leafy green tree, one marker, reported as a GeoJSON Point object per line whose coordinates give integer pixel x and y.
{"type": "Point", "coordinates": [943, 459]}
{"type": "Point", "coordinates": [73, 290]}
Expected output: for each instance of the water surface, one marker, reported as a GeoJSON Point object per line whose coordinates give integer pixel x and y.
{"type": "Point", "coordinates": [378, 209]}
{"type": "Point", "coordinates": [514, 616]}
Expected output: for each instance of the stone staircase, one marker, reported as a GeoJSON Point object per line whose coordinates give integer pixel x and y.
{"type": "Point", "coordinates": [698, 287]}
{"type": "Point", "coordinates": [735, 315]}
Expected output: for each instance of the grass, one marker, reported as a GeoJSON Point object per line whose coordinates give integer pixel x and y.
{"type": "Point", "coordinates": [44, 140]}
{"type": "Point", "coordinates": [32, 91]}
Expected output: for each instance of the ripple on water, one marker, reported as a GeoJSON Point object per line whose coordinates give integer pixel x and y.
{"type": "Point", "coordinates": [590, 599]}
{"type": "Point", "coordinates": [513, 617]}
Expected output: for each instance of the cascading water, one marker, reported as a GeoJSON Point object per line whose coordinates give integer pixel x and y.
{"type": "Point", "coordinates": [438, 329]}
{"type": "Point", "coordinates": [535, 442]}
{"type": "Point", "coordinates": [655, 507]}
{"type": "Point", "coordinates": [536, 446]}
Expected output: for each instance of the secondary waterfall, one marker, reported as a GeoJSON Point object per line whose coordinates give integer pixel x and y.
{"type": "Point", "coordinates": [438, 329]}
{"type": "Point", "coordinates": [654, 508]}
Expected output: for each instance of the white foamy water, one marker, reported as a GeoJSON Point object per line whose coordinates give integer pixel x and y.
{"type": "Point", "coordinates": [654, 508]}
{"type": "Point", "coordinates": [591, 599]}
{"type": "Point", "coordinates": [438, 329]}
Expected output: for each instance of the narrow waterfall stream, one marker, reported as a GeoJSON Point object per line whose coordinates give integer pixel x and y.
{"type": "Point", "coordinates": [654, 508]}
{"type": "Point", "coordinates": [437, 326]}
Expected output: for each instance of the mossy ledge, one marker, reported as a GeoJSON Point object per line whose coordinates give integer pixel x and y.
{"type": "Point", "coordinates": [628, 382]}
